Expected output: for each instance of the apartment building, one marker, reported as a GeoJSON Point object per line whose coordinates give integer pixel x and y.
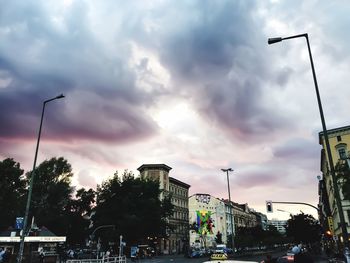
{"type": "Point", "coordinates": [339, 140]}
{"type": "Point", "coordinates": [207, 217]}
{"type": "Point", "coordinates": [178, 234]}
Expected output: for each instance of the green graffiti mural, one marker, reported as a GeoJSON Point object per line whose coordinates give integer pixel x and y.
{"type": "Point", "coordinates": [204, 222]}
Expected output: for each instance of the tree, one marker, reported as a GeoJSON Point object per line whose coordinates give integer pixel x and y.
{"type": "Point", "coordinates": [133, 206]}
{"type": "Point", "coordinates": [343, 176]}
{"type": "Point", "coordinates": [51, 194]}
{"type": "Point", "coordinates": [218, 238]}
{"type": "Point", "coordinates": [256, 236]}
{"type": "Point", "coordinates": [303, 228]}
{"type": "Point", "coordinates": [77, 217]}
{"type": "Point", "coordinates": [12, 194]}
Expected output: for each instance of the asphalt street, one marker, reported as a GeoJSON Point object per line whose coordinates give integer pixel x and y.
{"type": "Point", "coordinates": [182, 259]}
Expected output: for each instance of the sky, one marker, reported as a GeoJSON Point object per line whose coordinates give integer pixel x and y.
{"type": "Point", "coordinates": [190, 84]}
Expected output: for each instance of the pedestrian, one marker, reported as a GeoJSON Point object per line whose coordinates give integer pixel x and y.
{"type": "Point", "coordinates": [41, 254]}
{"type": "Point", "coordinates": [6, 256]}
{"type": "Point", "coordinates": [2, 252]}
{"type": "Point", "coordinates": [71, 254]}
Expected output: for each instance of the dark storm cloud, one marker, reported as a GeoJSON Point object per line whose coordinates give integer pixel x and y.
{"type": "Point", "coordinates": [217, 60]}
{"type": "Point", "coordinates": [257, 179]}
{"type": "Point", "coordinates": [41, 60]}
{"type": "Point", "coordinates": [298, 148]}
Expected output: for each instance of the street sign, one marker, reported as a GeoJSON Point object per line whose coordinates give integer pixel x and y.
{"type": "Point", "coordinates": [19, 223]}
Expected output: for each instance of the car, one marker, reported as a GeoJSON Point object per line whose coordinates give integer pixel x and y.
{"type": "Point", "coordinates": [196, 254]}
{"type": "Point", "coordinates": [220, 248]}
{"type": "Point", "coordinates": [285, 259]}
{"type": "Point", "coordinates": [219, 256]}
{"type": "Point", "coordinates": [228, 250]}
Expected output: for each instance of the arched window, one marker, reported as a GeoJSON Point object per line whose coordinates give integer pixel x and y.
{"type": "Point", "coordinates": [342, 150]}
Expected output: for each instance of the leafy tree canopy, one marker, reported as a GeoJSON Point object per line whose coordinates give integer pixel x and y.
{"type": "Point", "coordinates": [12, 194]}
{"type": "Point", "coordinates": [343, 176]}
{"type": "Point", "coordinates": [52, 203]}
{"type": "Point", "coordinates": [51, 193]}
{"type": "Point", "coordinates": [256, 236]}
{"type": "Point", "coordinates": [303, 228]}
{"type": "Point", "coordinates": [133, 206]}
{"type": "Point", "coordinates": [77, 215]}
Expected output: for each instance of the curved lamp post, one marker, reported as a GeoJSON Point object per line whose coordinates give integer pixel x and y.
{"type": "Point", "coordinates": [325, 134]}
{"type": "Point", "coordinates": [24, 230]}
{"type": "Point", "coordinates": [230, 205]}
{"type": "Point", "coordinates": [92, 236]}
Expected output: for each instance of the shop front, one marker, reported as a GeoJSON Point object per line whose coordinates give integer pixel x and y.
{"type": "Point", "coordinates": [44, 242]}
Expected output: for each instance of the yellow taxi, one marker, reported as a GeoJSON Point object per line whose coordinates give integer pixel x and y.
{"type": "Point", "coordinates": [219, 256]}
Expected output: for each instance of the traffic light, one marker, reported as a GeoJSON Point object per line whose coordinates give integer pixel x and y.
{"type": "Point", "coordinates": [269, 206]}
{"type": "Point", "coordinates": [328, 234]}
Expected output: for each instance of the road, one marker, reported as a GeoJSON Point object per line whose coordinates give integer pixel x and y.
{"type": "Point", "coordinates": [182, 259]}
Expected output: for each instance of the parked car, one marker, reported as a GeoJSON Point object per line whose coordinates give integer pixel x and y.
{"type": "Point", "coordinates": [196, 253]}
{"type": "Point", "coordinates": [220, 248]}
{"type": "Point", "coordinates": [229, 250]}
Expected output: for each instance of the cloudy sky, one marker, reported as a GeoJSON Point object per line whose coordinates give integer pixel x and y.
{"type": "Point", "coordinates": [191, 84]}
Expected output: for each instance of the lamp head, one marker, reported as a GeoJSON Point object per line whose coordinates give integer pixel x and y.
{"type": "Point", "coordinates": [274, 40]}
{"type": "Point", "coordinates": [229, 170]}
{"type": "Point", "coordinates": [60, 96]}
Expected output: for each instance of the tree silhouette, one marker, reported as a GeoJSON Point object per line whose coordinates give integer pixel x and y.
{"type": "Point", "coordinates": [303, 228]}
{"type": "Point", "coordinates": [343, 176]}
{"type": "Point", "coordinates": [133, 206]}
{"type": "Point", "coordinates": [13, 192]}
{"type": "Point", "coordinates": [218, 238]}
{"type": "Point", "coordinates": [52, 193]}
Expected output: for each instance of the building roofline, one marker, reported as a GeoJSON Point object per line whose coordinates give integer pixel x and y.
{"type": "Point", "coordinates": [332, 131]}
{"type": "Point", "coordinates": [205, 194]}
{"type": "Point", "coordinates": [154, 166]}
{"type": "Point", "coordinates": [172, 179]}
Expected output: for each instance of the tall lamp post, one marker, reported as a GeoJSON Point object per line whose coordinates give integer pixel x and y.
{"type": "Point", "coordinates": [325, 134]}
{"type": "Point", "coordinates": [30, 190]}
{"type": "Point", "coordinates": [230, 205]}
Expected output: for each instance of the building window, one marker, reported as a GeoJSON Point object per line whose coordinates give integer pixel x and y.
{"type": "Point", "coordinates": [339, 138]}
{"type": "Point", "coordinates": [342, 153]}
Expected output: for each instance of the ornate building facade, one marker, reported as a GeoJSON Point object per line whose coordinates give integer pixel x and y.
{"type": "Point", "coordinates": [339, 140]}
{"type": "Point", "coordinates": [207, 219]}
{"type": "Point", "coordinates": [177, 235]}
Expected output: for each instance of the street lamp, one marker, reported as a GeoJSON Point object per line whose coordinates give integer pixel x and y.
{"type": "Point", "coordinates": [325, 134]}
{"type": "Point", "coordinates": [30, 190]}
{"type": "Point", "coordinates": [230, 205]}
